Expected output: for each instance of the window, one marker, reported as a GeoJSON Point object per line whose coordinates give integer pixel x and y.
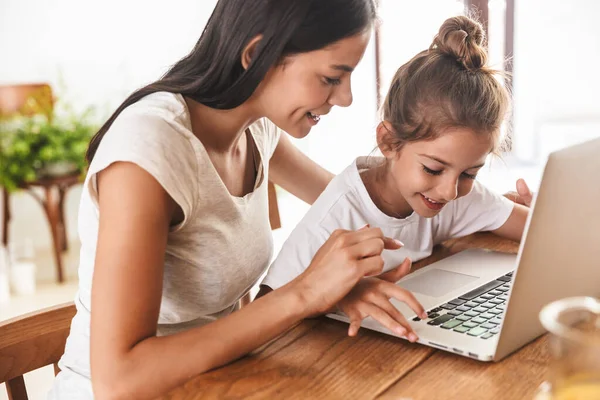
{"type": "Point", "coordinates": [406, 28]}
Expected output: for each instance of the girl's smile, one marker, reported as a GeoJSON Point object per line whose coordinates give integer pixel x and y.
{"type": "Point", "coordinates": [424, 176]}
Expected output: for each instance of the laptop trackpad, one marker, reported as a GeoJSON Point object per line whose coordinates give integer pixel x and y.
{"type": "Point", "coordinates": [436, 282]}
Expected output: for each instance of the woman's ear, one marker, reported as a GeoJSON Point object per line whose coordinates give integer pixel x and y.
{"type": "Point", "coordinates": [249, 50]}
{"type": "Point", "coordinates": [385, 139]}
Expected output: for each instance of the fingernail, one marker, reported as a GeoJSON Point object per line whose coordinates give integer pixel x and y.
{"type": "Point", "coordinates": [424, 315]}
{"type": "Point", "coordinates": [412, 337]}
{"type": "Point", "coordinates": [399, 243]}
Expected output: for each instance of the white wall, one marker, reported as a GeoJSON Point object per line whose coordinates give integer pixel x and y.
{"type": "Point", "coordinates": [407, 28]}
{"type": "Point", "coordinates": [557, 54]}
{"type": "Point", "coordinates": [92, 53]}
{"type": "Point", "coordinates": [102, 50]}
{"type": "Point", "coordinates": [96, 52]}
{"type": "Point", "coordinates": [348, 132]}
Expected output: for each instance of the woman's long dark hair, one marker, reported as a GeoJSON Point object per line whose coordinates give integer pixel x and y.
{"type": "Point", "coordinates": [212, 73]}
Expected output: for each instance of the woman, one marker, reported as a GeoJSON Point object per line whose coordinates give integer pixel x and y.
{"type": "Point", "coordinates": [173, 218]}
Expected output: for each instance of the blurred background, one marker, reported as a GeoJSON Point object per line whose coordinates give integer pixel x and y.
{"type": "Point", "coordinates": [93, 54]}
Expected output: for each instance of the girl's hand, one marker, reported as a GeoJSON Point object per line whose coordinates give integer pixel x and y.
{"type": "Point", "coordinates": [522, 196]}
{"type": "Point", "coordinates": [370, 297]}
{"type": "Point", "coordinates": [343, 260]}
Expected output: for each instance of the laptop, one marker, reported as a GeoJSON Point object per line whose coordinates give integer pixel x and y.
{"type": "Point", "coordinates": [484, 304]}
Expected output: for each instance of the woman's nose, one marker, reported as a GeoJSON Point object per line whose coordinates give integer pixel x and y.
{"type": "Point", "coordinates": [342, 95]}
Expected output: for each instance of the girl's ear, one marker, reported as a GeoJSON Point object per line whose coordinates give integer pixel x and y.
{"type": "Point", "coordinates": [385, 139]}
{"type": "Point", "coordinates": [249, 50]}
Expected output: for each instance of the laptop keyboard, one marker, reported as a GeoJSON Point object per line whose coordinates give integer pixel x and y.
{"type": "Point", "coordinates": [477, 313]}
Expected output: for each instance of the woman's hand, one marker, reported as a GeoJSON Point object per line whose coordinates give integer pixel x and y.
{"type": "Point", "coordinates": [343, 260]}
{"type": "Point", "coordinates": [522, 196]}
{"type": "Point", "coordinates": [371, 297]}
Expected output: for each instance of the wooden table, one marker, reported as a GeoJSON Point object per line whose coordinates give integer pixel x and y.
{"type": "Point", "coordinates": [317, 360]}
{"type": "Point", "coordinates": [52, 202]}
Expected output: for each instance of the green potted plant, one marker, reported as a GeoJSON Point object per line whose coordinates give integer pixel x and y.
{"type": "Point", "coordinates": [38, 147]}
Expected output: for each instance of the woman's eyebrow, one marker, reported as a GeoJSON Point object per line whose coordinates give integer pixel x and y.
{"type": "Point", "coordinates": [342, 67]}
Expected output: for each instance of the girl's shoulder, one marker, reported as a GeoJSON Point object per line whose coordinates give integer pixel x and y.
{"type": "Point", "coordinates": [342, 202]}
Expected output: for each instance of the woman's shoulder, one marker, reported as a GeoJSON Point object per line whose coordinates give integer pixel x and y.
{"type": "Point", "coordinates": [165, 107]}
{"type": "Point", "coordinates": [152, 133]}
{"type": "Point", "coordinates": [161, 101]}
{"type": "Point", "coordinates": [158, 120]}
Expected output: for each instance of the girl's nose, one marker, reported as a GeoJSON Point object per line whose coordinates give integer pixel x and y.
{"type": "Point", "coordinates": [449, 190]}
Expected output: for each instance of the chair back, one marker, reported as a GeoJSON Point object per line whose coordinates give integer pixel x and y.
{"type": "Point", "coordinates": [26, 100]}
{"type": "Point", "coordinates": [32, 341]}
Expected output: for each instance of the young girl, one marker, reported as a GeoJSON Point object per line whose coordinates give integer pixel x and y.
{"type": "Point", "coordinates": [173, 218]}
{"type": "Point", "coordinates": [442, 118]}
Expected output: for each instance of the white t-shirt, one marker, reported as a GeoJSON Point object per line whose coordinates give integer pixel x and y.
{"type": "Point", "coordinates": [213, 257]}
{"type": "Point", "coordinates": [346, 204]}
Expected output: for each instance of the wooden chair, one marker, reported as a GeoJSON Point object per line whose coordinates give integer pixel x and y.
{"type": "Point", "coordinates": [27, 100]}
{"type": "Point", "coordinates": [273, 208]}
{"type": "Point", "coordinates": [30, 342]}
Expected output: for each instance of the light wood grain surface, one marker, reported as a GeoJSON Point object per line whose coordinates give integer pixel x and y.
{"type": "Point", "coordinates": [317, 360]}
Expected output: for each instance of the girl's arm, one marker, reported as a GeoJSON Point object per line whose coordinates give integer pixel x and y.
{"type": "Point", "coordinates": [523, 195]}
{"type": "Point", "coordinates": [128, 360]}
{"type": "Point", "coordinates": [515, 224]}
{"type": "Point", "coordinates": [296, 173]}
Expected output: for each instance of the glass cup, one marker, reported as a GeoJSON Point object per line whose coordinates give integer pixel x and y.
{"type": "Point", "coordinates": [574, 345]}
{"type": "Point", "coordinates": [22, 267]}
{"type": "Point", "coordinates": [4, 285]}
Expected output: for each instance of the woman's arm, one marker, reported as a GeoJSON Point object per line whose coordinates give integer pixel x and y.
{"type": "Point", "coordinates": [296, 173]}
{"type": "Point", "coordinates": [127, 359]}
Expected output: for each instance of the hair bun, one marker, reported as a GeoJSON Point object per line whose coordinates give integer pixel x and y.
{"type": "Point", "coordinates": [462, 38]}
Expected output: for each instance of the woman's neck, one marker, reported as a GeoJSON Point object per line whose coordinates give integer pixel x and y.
{"type": "Point", "coordinates": [220, 130]}
{"type": "Point", "coordinates": [384, 193]}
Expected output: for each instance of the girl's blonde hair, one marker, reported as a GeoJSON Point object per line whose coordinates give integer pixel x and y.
{"type": "Point", "coordinates": [447, 86]}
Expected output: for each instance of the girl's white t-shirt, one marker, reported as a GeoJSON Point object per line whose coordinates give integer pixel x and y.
{"type": "Point", "coordinates": [346, 204]}
{"type": "Point", "coordinates": [213, 257]}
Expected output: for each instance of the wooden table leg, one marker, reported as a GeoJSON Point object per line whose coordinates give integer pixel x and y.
{"type": "Point", "coordinates": [51, 206]}
{"type": "Point", "coordinates": [61, 219]}
{"type": "Point", "coordinates": [5, 215]}
{"type": "Point", "coordinates": [16, 388]}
